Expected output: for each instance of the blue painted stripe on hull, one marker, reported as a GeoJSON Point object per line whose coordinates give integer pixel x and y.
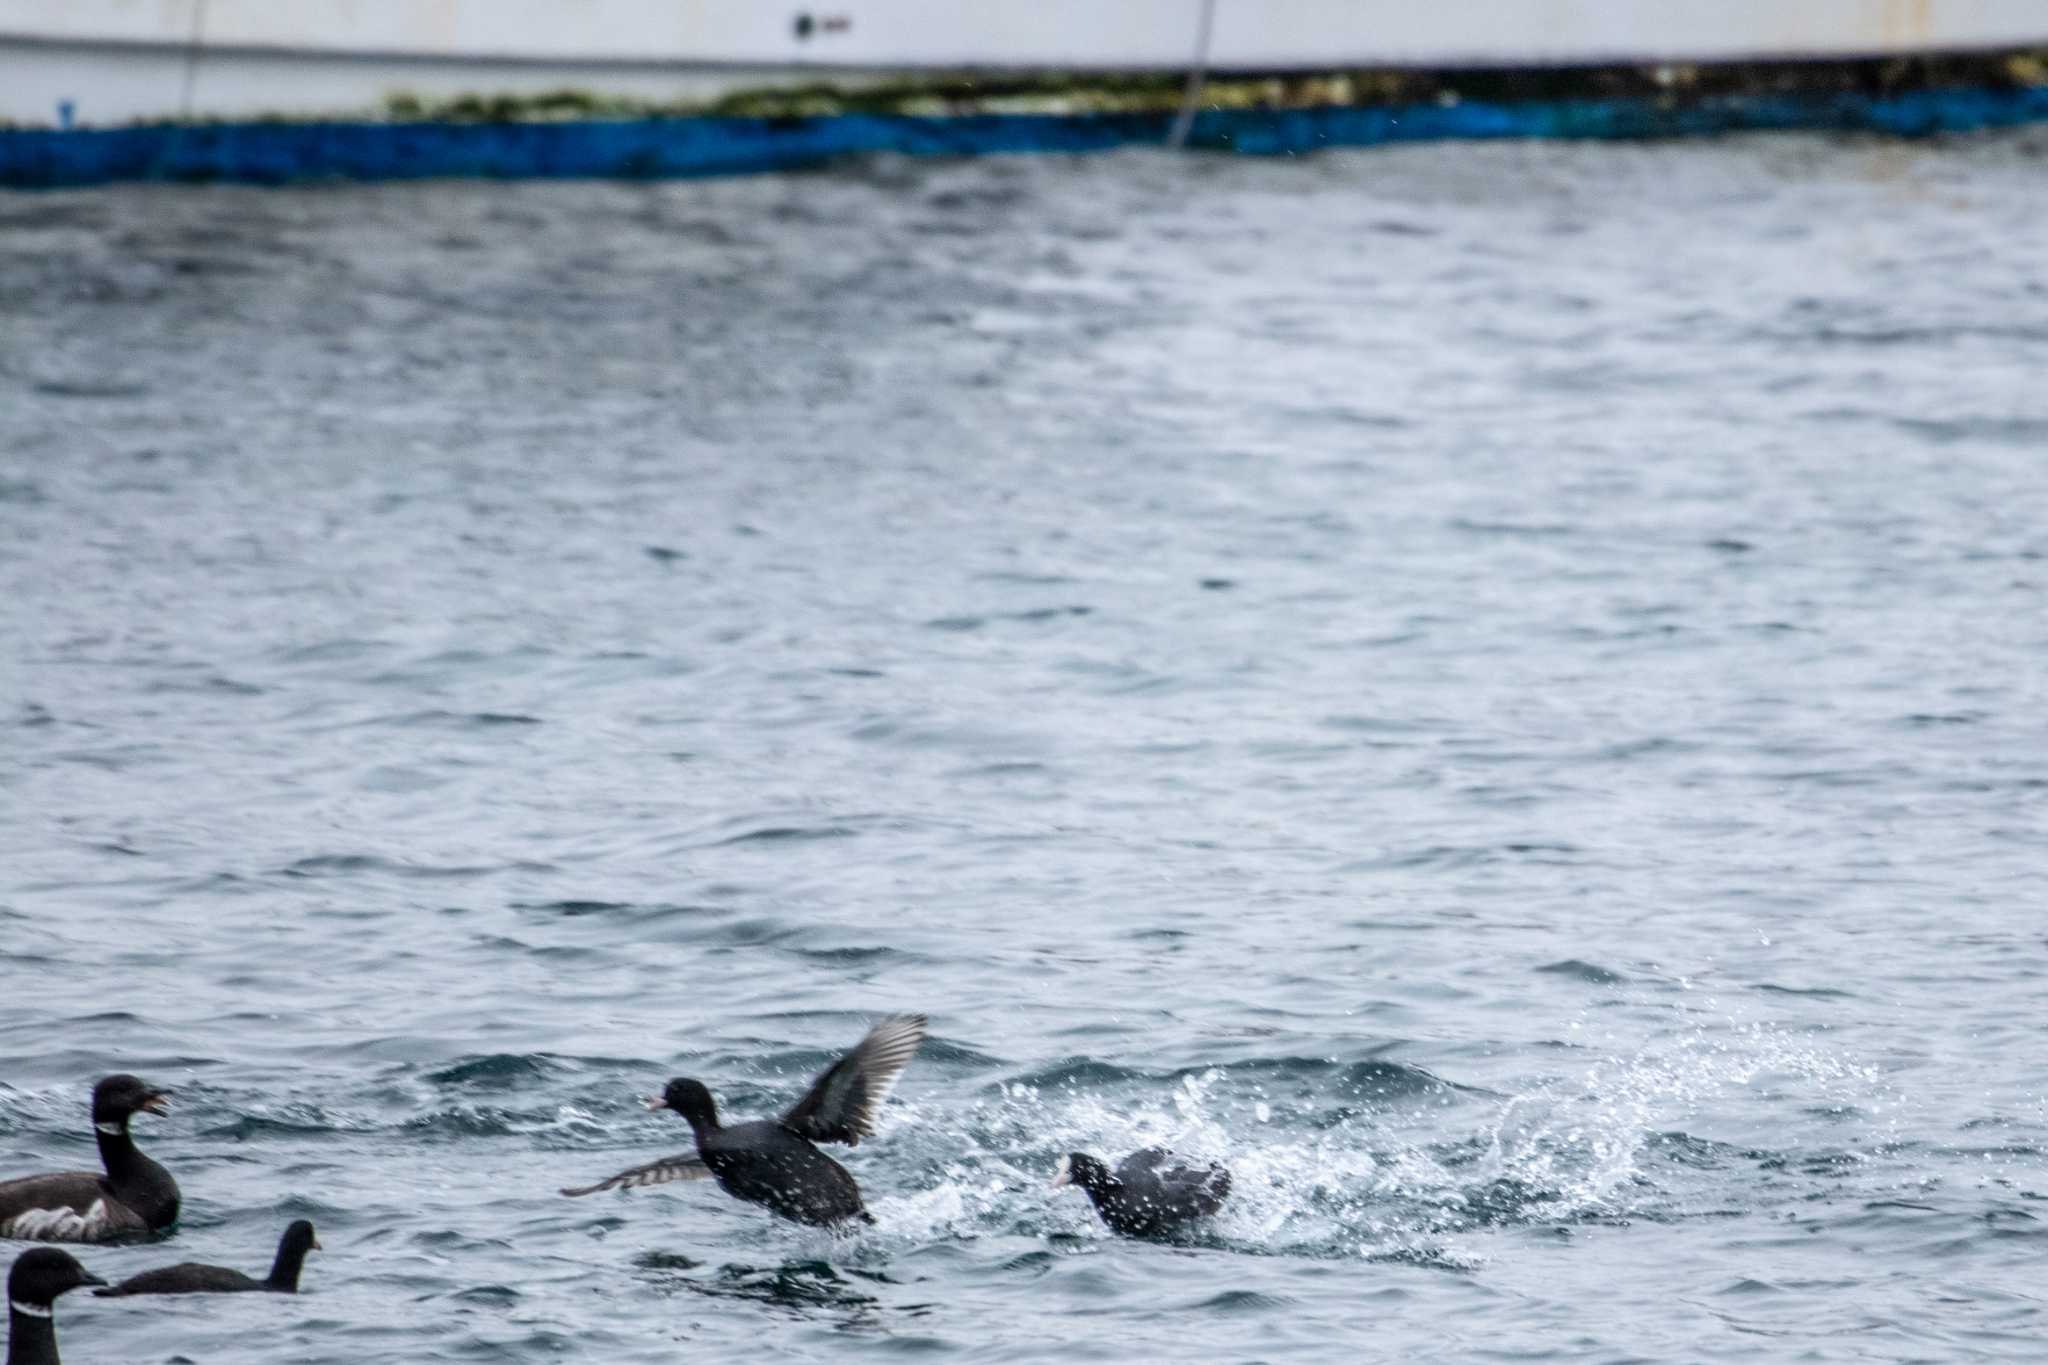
{"type": "Point", "coordinates": [270, 153]}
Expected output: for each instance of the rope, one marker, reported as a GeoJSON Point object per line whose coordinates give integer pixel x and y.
{"type": "Point", "coordinates": [192, 51]}
{"type": "Point", "coordinates": [1191, 97]}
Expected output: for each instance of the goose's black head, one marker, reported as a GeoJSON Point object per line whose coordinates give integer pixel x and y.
{"type": "Point", "coordinates": [299, 1239]}
{"type": "Point", "coordinates": [39, 1276]}
{"type": "Point", "coordinates": [1079, 1168]}
{"type": "Point", "coordinates": [117, 1097]}
{"type": "Point", "coordinates": [690, 1099]}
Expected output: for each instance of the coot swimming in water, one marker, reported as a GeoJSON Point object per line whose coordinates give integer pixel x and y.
{"type": "Point", "coordinates": [193, 1278]}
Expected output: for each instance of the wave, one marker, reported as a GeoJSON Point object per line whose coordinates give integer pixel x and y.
{"type": "Point", "coordinates": [799, 1287]}
{"type": "Point", "coordinates": [496, 1071]}
{"type": "Point", "coordinates": [786, 834]}
{"type": "Point", "coordinates": [1369, 1078]}
{"type": "Point", "coordinates": [348, 864]}
{"type": "Point", "coordinates": [252, 1127]}
{"type": "Point", "coordinates": [1590, 973]}
{"type": "Point", "coordinates": [575, 908]}
{"type": "Point", "coordinates": [478, 1122]}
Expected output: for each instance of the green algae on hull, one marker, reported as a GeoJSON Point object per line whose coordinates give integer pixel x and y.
{"type": "Point", "coordinates": [1066, 93]}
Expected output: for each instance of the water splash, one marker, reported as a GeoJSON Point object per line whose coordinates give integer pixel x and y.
{"type": "Point", "coordinates": [1422, 1177]}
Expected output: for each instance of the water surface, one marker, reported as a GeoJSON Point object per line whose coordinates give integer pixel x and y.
{"type": "Point", "coordinates": [1496, 689]}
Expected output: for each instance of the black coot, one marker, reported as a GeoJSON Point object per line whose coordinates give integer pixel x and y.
{"type": "Point", "coordinates": [38, 1277]}
{"type": "Point", "coordinates": [773, 1161]}
{"type": "Point", "coordinates": [194, 1278]}
{"type": "Point", "coordinates": [134, 1197]}
{"type": "Point", "coordinates": [1149, 1193]}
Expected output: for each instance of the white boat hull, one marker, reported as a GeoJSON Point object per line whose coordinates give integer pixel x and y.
{"type": "Point", "coordinates": [107, 62]}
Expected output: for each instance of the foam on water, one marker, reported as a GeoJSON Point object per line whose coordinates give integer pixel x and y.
{"type": "Point", "coordinates": [1594, 1144]}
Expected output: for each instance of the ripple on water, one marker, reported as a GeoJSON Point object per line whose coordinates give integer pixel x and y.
{"type": "Point", "coordinates": [1588, 972]}
{"type": "Point", "coordinates": [497, 1071]}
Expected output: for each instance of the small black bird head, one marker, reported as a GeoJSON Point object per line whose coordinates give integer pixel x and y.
{"type": "Point", "coordinates": [1079, 1168]}
{"type": "Point", "coordinates": [39, 1276]}
{"type": "Point", "coordinates": [298, 1239]}
{"type": "Point", "coordinates": [690, 1099]}
{"type": "Point", "coordinates": [117, 1097]}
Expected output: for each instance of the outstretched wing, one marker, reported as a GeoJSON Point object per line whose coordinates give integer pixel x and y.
{"type": "Point", "coordinates": [653, 1173]}
{"type": "Point", "coordinates": [842, 1103]}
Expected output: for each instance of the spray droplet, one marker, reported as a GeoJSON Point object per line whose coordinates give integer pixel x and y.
{"type": "Point", "coordinates": [1264, 1111]}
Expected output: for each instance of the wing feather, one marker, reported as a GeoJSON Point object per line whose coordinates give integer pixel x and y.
{"type": "Point", "coordinates": [841, 1104]}
{"type": "Point", "coordinates": [660, 1172]}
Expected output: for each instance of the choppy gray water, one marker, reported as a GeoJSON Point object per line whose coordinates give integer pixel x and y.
{"type": "Point", "coordinates": [1498, 689]}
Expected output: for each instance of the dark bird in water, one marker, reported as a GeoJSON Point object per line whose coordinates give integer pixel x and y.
{"type": "Point", "coordinates": [38, 1277]}
{"type": "Point", "coordinates": [134, 1197]}
{"type": "Point", "coordinates": [774, 1161]}
{"type": "Point", "coordinates": [194, 1278]}
{"type": "Point", "coordinates": [1149, 1193]}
